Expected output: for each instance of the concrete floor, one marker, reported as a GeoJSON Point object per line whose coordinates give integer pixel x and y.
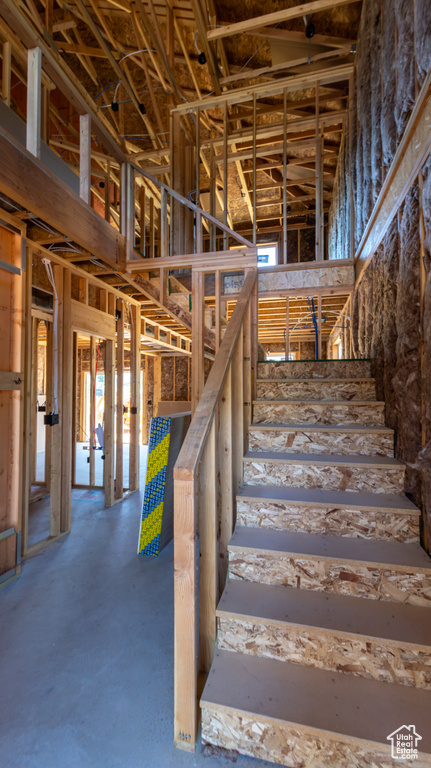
{"type": "Point", "coordinates": [86, 649]}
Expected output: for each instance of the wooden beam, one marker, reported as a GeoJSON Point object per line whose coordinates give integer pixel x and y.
{"type": "Point", "coordinates": [6, 71]}
{"type": "Point", "coordinates": [34, 86]}
{"type": "Point", "coordinates": [291, 36]}
{"type": "Point", "coordinates": [275, 18]}
{"type": "Point", "coordinates": [284, 65]}
{"type": "Point", "coordinates": [334, 74]}
{"type": "Point", "coordinates": [85, 158]}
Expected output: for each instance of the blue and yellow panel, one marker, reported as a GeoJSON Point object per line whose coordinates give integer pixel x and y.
{"type": "Point", "coordinates": [152, 512]}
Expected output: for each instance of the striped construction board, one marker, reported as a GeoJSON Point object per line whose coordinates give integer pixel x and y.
{"type": "Point", "coordinates": [166, 437]}
{"type": "Point", "coordinates": [152, 512]}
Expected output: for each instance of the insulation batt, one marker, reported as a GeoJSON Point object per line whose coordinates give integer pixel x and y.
{"type": "Point", "coordinates": [394, 56]}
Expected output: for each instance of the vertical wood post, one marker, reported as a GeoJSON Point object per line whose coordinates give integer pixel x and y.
{"type": "Point", "coordinates": [175, 161]}
{"type": "Point", "coordinates": [6, 72]}
{"type": "Point", "coordinates": [287, 345]}
{"type": "Point", "coordinates": [319, 184]}
{"type": "Point", "coordinates": [198, 281]}
{"type": "Point", "coordinates": [319, 328]}
{"type": "Point", "coordinates": [225, 174]}
{"type": "Point", "coordinates": [85, 158]}
{"type": "Point", "coordinates": [254, 302]}
{"type": "Point", "coordinates": [135, 400]}
{"type": "Point", "coordinates": [164, 244]}
{"type": "Point", "coordinates": [199, 234]}
{"type": "Point", "coordinates": [142, 205]}
{"type": "Point", "coordinates": [92, 440]}
{"type": "Point", "coordinates": [247, 384]}
{"type": "Point", "coordinates": [67, 407]}
{"type": "Point", "coordinates": [284, 176]}
{"type": "Point", "coordinates": [208, 532]}
{"type": "Point", "coordinates": [109, 422]}
{"type": "Point", "coordinates": [34, 85]}
{"type": "Point", "coordinates": [254, 171]}
{"type": "Point", "coordinates": [225, 459]}
{"type": "Point", "coordinates": [186, 616]}
{"type": "Point", "coordinates": [108, 192]}
{"type": "Point", "coordinates": [26, 433]}
{"type": "Point", "coordinates": [217, 310]}
{"type": "Point", "coordinates": [75, 401]}
{"type": "Point", "coordinates": [213, 200]}
{"type": "Point", "coordinates": [56, 430]}
{"type": "Point", "coordinates": [119, 423]}
{"type": "Point", "coordinates": [127, 208]}
{"type": "Point", "coordinates": [238, 414]}
{"type": "Point", "coordinates": [151, 227]}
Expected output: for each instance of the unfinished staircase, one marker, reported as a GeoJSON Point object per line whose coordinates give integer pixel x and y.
{"type": "Point", "coordinates": [324, 627]}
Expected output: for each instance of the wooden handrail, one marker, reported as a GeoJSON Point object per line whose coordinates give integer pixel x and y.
{"type": "Point", "coordinates": [207, 476]}
{"type": "Point", "coordinates": [191, 206]}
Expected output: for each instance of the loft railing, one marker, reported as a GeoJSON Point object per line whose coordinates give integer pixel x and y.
{"type": "Point", "coordinates": [207, 476]}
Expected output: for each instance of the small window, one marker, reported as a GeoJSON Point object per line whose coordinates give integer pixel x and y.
{"type": "Point", "coordinates": [267, 256]}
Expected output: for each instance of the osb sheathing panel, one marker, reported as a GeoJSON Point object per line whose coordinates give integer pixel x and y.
{"type": "Point", "coordinates": [331, 478]}
{"type": "Point", "coordinates": [306, 278]}
{"type": "Point", "coordinates": [313, 441]}
{"type": "Point", "coordinates": [312, 390]}
{"type": "Point", "coordinates": [308, 350]}
{"type": "Point", "coordinates": [364, 414]}
{"type": "Point", "coordinates": [375, 659]}
{"type": "Point", "coordinates": [315, 370]}
{"type": "Point", "coordinates": [167, 377]}
{"type": "Point", "coordinates": [292, 746]}
{"type": "Point", "coordinates": [336, 521]}
{"type": "Point", "coordinates": [182, 389]}
{"type": "Point", "coordinates": [376, 582]}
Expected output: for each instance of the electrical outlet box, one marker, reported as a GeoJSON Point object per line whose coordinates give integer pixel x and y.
{"type": "Point", "coordinates": [50, 419]}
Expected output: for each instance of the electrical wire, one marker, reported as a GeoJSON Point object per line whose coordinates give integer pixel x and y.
{"type": "Point", "coordinates": [132, 53]}
{"type": "Point", "coordinates": [50, 274]}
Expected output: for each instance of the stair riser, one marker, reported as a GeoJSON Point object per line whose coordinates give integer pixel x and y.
{"type": "Point", "coordinates": [335, 521]}
{"type": "Point", "coordinates": [369, 415]}
{"type": "Point", "coordinates": [316, 390]}
{"type": "Point", "coordinates": [292, 745]}
{"type": "Point", "coordinates": [374, 581]}
{"type": "Point", "coordinates": [309, 441]}
{"type": "Point", "coordinates": [331, 478]}
{"type": "Point", "coordinates": [331, 369]}
{"type": "Point", "coordinates": [390, 662]}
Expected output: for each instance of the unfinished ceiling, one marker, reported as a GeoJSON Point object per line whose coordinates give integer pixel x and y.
{"type": "Point", "coordinates": [136, 61]}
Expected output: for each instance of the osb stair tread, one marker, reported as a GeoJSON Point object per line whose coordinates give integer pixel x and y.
{"type": "Point", "coordinates": [251, 601]}
{"type": "Point", "coordinates": [310, 698]}
{"type": "Point", "coordinates": [313, 403]}
{"type": "Point", "coordinates": [323, 427]}
{"type": "Point", "coordinates": [373, 462]}
{"type": "Point", "coordinates": [392, 553]}
{"type": "Point", "coordinates": [356, 379]}
{"type": "Point", "coordinates": [306, 496]}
